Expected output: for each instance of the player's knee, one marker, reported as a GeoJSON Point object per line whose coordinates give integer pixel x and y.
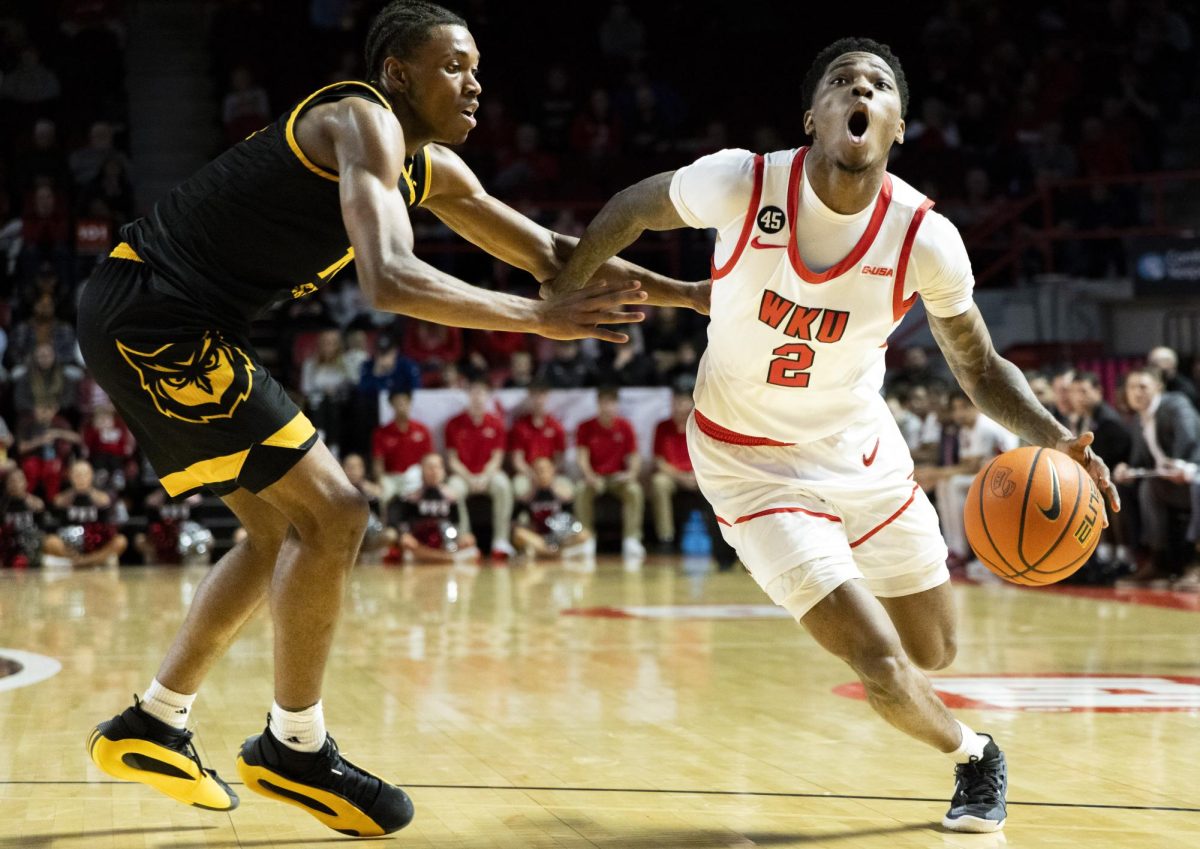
{"type": "Point", "coordinates": [883, 669]}
{"type": "Point", "coordinates": [351, 509]}
{"type": "Point", "coordinates": [265, 538]}
{"type": "Point", "coordinates": [337, 519]}
{"type": "Point", "coordinates": [935, 654]}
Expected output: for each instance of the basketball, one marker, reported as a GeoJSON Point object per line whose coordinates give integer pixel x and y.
{"type": "Point", "coordinates": [1033, 516]}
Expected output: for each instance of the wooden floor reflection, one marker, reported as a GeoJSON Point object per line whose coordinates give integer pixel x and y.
{"type": "Point", "coordinates": [538, 707]}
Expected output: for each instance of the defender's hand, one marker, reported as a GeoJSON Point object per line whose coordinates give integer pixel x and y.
{"type": "Point", "coordinates": [579, 314]}
{"type": "Point", "coordinates": [1080, 451]}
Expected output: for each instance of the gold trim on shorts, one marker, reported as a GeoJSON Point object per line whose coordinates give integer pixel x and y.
{"type": "Point", "coordinates": [220, 469]}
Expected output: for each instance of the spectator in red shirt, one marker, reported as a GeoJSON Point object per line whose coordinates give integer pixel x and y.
{"type": "Point", "coordinates": [672, 466]}
{"type": "Point", "coordinates": [45, 444]}
{"type": "Point", "coordinates": [432, 346]}
{"type": "Point", "coordinates": [397, 449]}
{"type": "Point", "coordinates": [44, 227]}
{"type": "Point", "coordinates": [110, 447]}
{"type": "Point", "coordinates": [606, 450]}
{"type": "Point", "coordinates": [475, 443]}
{"type": "Point", "coordinates": [490, 350]}
{"type": "Point", "coordinates": [535, 434]}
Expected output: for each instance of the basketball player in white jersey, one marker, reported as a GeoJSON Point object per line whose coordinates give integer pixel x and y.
{"type": "Point", "coordinates": [819, 254]}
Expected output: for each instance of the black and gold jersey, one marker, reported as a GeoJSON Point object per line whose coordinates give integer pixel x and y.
{"type": "Point", "coordinates": [259, 223]}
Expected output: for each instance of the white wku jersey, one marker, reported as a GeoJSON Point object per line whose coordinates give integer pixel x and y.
{"type": "Point", "coordinates": [795, 356]}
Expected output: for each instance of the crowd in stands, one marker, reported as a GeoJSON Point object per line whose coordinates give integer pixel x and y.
{"type": "Point", "coordinates": [1147, 430]}
{"type": "Point", "coordinates": [1004, 101]}
{"type": "Point", "coordinates": [521, 470]}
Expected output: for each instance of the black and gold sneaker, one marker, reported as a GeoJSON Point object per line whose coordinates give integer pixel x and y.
{"type": "Point", "coordinates": [134, 746]}
{"type": "Point", "coordinates": [341, 795]}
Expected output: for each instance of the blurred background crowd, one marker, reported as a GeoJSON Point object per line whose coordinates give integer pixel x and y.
{"type": "Point", "coordinates": [1046, 131]}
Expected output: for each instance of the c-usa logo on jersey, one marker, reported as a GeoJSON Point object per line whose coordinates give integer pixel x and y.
{"type": "Point", "coordinates": [771, 219]}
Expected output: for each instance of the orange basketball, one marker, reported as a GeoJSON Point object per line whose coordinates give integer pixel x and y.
{"type": "Point", "coordinates": [1033, 516]}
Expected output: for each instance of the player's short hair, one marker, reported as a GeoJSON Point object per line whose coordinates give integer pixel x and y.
{"type": "Point", "coordinates": [853, 45]}
{"type": "Point", "coordinates": [407, 393]}
{"type": "Point", "coordinates": [608, 392]}
{"type": "Point", "coordinates": [401, 27]}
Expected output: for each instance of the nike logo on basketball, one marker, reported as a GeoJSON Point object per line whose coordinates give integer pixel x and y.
{"type": "Point", "coordinates": [871, 459]}
{"type": "Point", "coordinates": [1056, 502]}
{"type": "Point", "coordinates": [756, 243]}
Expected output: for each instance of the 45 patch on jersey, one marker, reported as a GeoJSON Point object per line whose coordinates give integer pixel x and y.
{"type": "Point", "coordinates": [194, 381]}
{"type": "Point", "coordinates": [771, 219]}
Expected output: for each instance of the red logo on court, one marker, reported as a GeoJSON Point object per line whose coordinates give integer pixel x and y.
{"type": "Point", "coordinates": [1065, 693]}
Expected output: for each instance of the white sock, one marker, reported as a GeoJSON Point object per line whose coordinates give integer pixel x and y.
{"type": "Point", "coordinates": [299, 730]}
{"type": "Point", "coordinates": [167, 705]}
{"type": "Point", "coordinates": [971, 746]}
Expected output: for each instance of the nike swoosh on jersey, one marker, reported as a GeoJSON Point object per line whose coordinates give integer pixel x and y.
{"type": "Point", "coordinates": [755, 243]}
{"type": "Point", "coordinates": [868, 460]}
{"type": "Point", "coordinates": [1055, 508]}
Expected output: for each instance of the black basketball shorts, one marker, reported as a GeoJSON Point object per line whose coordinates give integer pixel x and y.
{"type": "Point", "coordinates": [189, 386]}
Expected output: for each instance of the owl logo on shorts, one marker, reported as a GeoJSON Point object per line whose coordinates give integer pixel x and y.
{"type": "Point", "coordinates": [195, 381]}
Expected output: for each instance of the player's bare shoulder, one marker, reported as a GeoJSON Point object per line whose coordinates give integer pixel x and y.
{"type": "Point", "coordinates": [327, 130]}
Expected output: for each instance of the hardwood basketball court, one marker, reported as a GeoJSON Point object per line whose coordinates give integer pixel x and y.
{"type": "Point", "coordinates": [538, 707]}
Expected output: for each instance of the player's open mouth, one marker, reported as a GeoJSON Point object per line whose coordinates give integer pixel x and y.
{"type": "Point", "coordinates": [469, 114]}
{"type": "Point", "coordinates": [856, 127]}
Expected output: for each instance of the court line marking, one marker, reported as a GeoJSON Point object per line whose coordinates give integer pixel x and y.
{"type": "Point", "coordinates": [762, 793]}
{"type": "Point", "coordinates": [33, 668]}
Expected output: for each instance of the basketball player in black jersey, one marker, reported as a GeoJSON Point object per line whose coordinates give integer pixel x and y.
{"type": "Point", "coordinates": [163, 326]}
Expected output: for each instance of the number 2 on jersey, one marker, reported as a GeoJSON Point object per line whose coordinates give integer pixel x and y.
{"type": "Point", "coordinates": [790, 368]}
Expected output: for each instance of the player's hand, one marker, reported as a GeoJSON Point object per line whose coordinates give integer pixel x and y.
{"type": "Point", "coordinates": [579, 314]}
{"type": "Point", "coordinates": [1079, 450]}
{"type": "Point", "coordinates": [702, 298]}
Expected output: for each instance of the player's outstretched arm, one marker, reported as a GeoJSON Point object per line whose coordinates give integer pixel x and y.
{"type": "Point", "coordinates": [643, 206]}
{"type": "Point", "coordinates": [1001, 392]}
{"type": "Point", "coordinates": [463, 204]}
{"type": "Point", "coordinates": [368, 147]}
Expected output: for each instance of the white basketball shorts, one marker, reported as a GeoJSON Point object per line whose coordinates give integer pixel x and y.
{"type": "Point", "coordinates": [847, 501]}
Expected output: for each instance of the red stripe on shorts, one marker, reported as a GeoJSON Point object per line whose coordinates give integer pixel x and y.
{"type": "Point", "coordinates": [762, 513]}
{"type": "Point", "coordinates": [886, 521]}
{"type": "Point", "coordinates": [723, 434]}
